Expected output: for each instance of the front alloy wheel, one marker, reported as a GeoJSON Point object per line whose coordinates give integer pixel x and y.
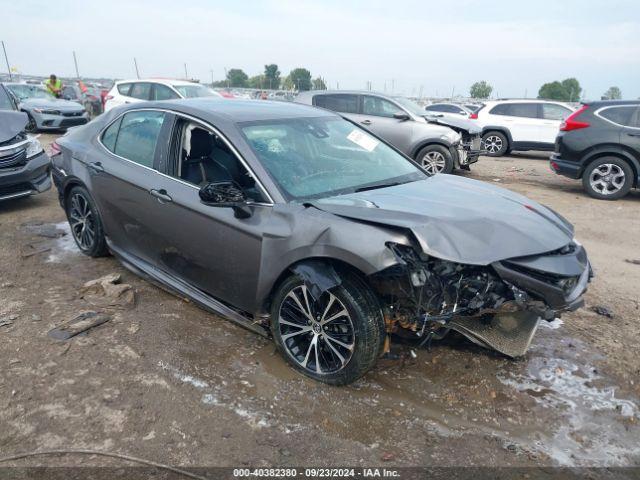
{"type": "Point", "coordinates": [318, 335]}
{"type": "Point", "coordinates": [435, 159]}
{"type": "Point", "coordinates": [335, 338]}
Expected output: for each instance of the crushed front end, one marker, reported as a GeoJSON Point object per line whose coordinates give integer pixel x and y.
{"type": "Point", "coordinates": [497, 306]}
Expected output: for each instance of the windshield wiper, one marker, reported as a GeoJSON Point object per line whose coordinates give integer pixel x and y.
{"type": "Point", "coordinates": [377, 185]}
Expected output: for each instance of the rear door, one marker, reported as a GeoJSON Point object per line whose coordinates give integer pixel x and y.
{"type": "Point", "coordinates": [344, 103]}
{"type": "Point", "coordinates": [123, 176]}
{"type": "Point", "coordinates": [119, 95]}
{"type": "Point", "coordinates": [521, 119]}
{"type": "Point", "coordinates": [552, 116]}
{"type": "Point", "coordinates": [628, 117]}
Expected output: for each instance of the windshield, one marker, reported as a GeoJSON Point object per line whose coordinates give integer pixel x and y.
{"type": "Point", "coordinates": [192, 91]}
{"type": "Point", "coordinates": [409, 105]}
{"type": "Point", "coordinates": [29, 91]}
{"type": "Point", "coordinates": [322, 157]}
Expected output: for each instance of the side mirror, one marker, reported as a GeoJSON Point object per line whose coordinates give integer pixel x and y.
{"type": "Point", "coordinates": [401, 116]}
{"type": "Point", "coordinates": [225, 194]}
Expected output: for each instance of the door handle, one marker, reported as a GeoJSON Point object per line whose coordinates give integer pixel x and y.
{"type": "Point", "coordinates": [633, 134]}
{"type": "Point", "coordinates": [161, 195]}
{"type": "Point", "coordinates": [96, 167]}
{"type": "Point", "coordinates": [366, 122]}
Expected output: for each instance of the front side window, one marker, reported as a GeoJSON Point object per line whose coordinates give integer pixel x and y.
{"type": "Point", "coordinates": [343, 103]}
{"type": "Point", "coordinates": [620, 115]}
{"type": "Point", "coordinates": [379, 107]}
{"type": "Point", "coordinates": [162, 92]}
{"type": "Point", "coordinates": [135, 136]}
{"type": "Point", "coordinates": [323, 157]}
{"type": "Point", "coordinates": [141, 91]}
{"type": "Point", "coordinates": [194, 91]}
{"type": "Point", "coordinates": [551, 111]}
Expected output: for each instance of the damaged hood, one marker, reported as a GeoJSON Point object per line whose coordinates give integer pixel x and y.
{"type": "Point", "coordinates": [458, 219]}
{"type": "Point", "coordinates": [11, 124]}
{"type": "Point", "coordinates": [460, 123]}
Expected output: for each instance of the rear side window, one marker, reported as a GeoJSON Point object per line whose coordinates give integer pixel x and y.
{"type": "Point", "coordinates": [135, 136]}
{"type": "Point", "coordinates": [444, 108]}
{"type": "Point", "coordinates": [622, 115]}
{"type": "Point", "coordinates": [551, 111]}
{"type": "Point", "coordinates": [123, 88]}
{"type": "Point", "coordinates": [527, 110]}
{"type": "Point", "coordinates": [162, 92]}
{"type": "Point", "coordinates": [338, 103]}
{"type": "Point", "coordinates": [141, 91]}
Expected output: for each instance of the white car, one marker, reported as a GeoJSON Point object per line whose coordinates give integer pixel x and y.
{"type": "Point", "coordinates": [131, 91]}
{"type": "Point", "coordinates": [448, 110]}
{"type": "Point", "coordinates": [520, 124]}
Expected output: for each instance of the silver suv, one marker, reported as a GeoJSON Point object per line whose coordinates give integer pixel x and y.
{"type": "Point", "coordinates": [434, 142]}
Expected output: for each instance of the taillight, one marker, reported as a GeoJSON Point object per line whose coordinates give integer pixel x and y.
{"type": "Point", "coordinates": [473, 116]}
{"type": "Point", "coordinates": [570, 123]}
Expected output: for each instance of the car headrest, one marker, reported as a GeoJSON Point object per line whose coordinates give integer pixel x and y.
{"type": "Point", "coordinates": [201, 143]}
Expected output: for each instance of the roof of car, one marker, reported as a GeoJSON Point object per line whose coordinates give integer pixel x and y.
{"type": "Point", "coordinates": [215, 108]}
{"type": "Point", "coordinates": [524, 100]}
{"type": "Point", "coordinates": [167, 81]}
{"type": "Point", "coordinates": [603, 103]}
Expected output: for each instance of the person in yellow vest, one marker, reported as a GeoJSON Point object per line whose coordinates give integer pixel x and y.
{"type": "Point", "coordinates": [54, 86]}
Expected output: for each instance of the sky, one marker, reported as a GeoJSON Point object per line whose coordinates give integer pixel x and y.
{"type": "Point", "coordinates": [433, 47]}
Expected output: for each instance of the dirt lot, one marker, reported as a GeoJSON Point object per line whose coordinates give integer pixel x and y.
{"type": "Point", "coordinates": [166, 381]}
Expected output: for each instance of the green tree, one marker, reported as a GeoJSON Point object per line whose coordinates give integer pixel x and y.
{"type": "Point", "coordinates": [613, 93]}
{"type": "Point", "coordinates": [568, 90]}
{"type": "Point", "coordinates": [481, 89]}
{"type": "Point", "coordinates": [237, 78]}
{"type": "Point", "coordinates": [299, 79]}
{"type": "Point", "coordinates": [272, 76]}
{"type": "Point", "coordinates": [319, 84]}
{"type": "Point", "coordinates": [257, 81]}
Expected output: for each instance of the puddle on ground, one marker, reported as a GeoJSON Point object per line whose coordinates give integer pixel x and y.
{"type": "Point", "coordinates": [64, 245]}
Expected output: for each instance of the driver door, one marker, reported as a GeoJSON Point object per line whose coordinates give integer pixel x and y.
{"type": "Point", "coordinates": [206, 246]}
{"type": "Point", "coordinates": [377, 115]}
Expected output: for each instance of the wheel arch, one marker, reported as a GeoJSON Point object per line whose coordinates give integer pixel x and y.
{"type": "Point", "coordinates": [427, 143]}
{"type": "Point", "coordinates": [621, 154]}
{"type": "Point", "coordinates": [497, 128]}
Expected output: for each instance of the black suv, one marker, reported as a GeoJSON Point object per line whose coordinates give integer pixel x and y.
{"type": "Point", "coordinates": [600, 143]}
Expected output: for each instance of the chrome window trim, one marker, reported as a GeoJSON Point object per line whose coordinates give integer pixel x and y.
{"type": "Point", "coordinates": [208, 126]}
{"type": "Point", "coordinates": [607, 107]}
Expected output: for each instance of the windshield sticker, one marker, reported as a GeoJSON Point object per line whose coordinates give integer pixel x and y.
{"type": "Point", "coordinates": [363, 140]}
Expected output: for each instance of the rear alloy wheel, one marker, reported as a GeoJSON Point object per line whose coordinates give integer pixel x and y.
{"type": "Point", "coordinates": [334, 339]}
{"type": "Point", "coordinates": [85, 223]}
{"type": "Point", "coordinates": [608, 178]}
{"type": "Point", "coordinates": [495, 143]}
{"type": "Point", "coordinates": [435, 159]}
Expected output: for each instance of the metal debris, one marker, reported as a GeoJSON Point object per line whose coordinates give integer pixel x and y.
{"type": "Point", "coordinates": [108, 291]}
{"type": "Point", "coordinates": [602, 310]}
{"type": "Point", "coordinates": [78, 324]}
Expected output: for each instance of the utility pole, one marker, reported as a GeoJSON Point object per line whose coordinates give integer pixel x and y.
{"type": "Point", "coordinates": [135, 63]}
{"type": "Point", "coordinates": [226, 76]}
{"type": "Point", "coordinates": [393, 85]}
{"type": "Point", "coordinates": [186, 75]}
{"type": "Point", "coordinates": [211, 77]}
{"type": "Point", "coordinates": [453, 91]}
{"type": "Point", "coordinates": [6, 59]}
{"type": "Point", "coordinates": [75, 62]}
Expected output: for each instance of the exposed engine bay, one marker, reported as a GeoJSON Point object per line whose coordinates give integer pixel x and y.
{"type": "Point", "coordinates": [426, 297]}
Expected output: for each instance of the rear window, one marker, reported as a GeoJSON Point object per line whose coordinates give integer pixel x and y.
{"type": "Point", "coordinates": [338, 103]}
{"type": "Point", "coordinates": [620, 115]}
{"type": "Point", "coordinates": [527, 110]}
{"type": "Point", "coordinates": [123, 88]}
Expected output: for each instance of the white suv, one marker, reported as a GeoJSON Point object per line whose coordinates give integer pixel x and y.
{"type": "Point", "coordinates": [520, 124]}
{"type": "Point", "coordinates": [130, 91]}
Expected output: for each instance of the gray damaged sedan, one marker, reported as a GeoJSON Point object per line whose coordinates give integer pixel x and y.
{"type": "Point", "coordinates": [45, 111]}
{"type": "Point", "coordinates": [302, 226]}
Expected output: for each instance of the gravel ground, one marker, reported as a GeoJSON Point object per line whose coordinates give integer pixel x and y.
{"type": "Point", "coordinates": [166, 381]}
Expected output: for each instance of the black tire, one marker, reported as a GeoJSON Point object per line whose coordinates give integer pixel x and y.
{"type": "Point", "coordinates": [85, 223]}
{"type": "Point", "coordinates": [364, 318]}
{"type": "Point", "coordinates": [496, 143]}
{"type": "Point", "coordinates": [32, 126]}
{"type": "Point", "coordinates": [435, 159]}
{"type": "Point", "coordinates": [608, 178]}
